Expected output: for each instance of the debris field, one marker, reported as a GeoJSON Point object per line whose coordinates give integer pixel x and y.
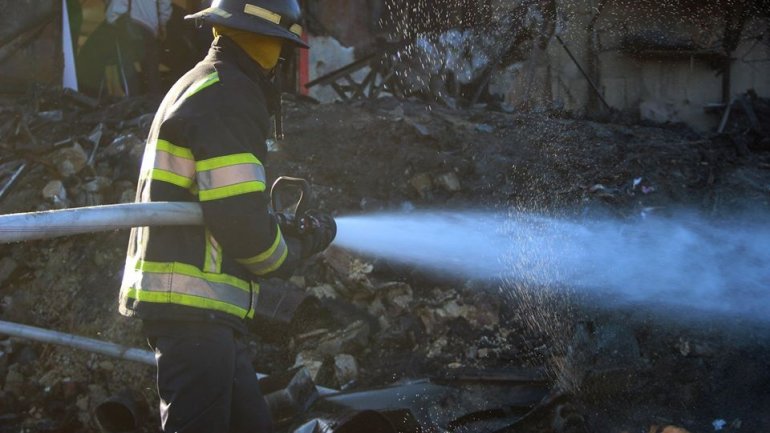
{"type": "Point", "coordinates": [486, 356]}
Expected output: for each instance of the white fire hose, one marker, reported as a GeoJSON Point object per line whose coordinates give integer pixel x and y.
{"type": "Point", "coordinates": [49, 224]}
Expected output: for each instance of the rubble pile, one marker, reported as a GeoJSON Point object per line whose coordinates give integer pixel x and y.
{"type": "Point", "coordinates": [81, 153]}
{"type": "Point", "coordinates": [365, 323]}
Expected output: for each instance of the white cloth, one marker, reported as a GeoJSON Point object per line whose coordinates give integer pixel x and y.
{"type": "Point", "coordinates": [152, 14]}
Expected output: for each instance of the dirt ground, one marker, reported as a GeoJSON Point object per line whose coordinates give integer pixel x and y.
{"type": "Point", "coordinates": [621, 370]}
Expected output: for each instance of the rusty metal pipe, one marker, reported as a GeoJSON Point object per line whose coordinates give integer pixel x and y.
{"type": "Point", "coordinates": [50, 224]}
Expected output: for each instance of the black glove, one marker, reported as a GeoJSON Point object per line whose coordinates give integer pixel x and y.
{"type": "Point", "coordinates": [317, 230]}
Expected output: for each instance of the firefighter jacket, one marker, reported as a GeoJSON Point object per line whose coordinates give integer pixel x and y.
{"type": "Point", "coordinates": [206, 145]}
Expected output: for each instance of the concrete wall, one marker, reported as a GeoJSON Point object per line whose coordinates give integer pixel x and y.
{"type": "Point", "coordinates": [30, 44]}
{"type": "Point", "coordinates": [659, 85]}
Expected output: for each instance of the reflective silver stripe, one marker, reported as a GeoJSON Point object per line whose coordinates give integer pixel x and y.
{"type": "Point", "coordinates": [230, 175]}
{"type": "Point", "coordinates": [174, 164]}
{"type": "Point", "coordinates": [198, 287]}
{"type": "Point", "coordinates": [213, 261]}
{"type": "Point", "coordinates": [270, 263]}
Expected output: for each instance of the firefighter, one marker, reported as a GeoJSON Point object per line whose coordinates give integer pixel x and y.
{"type": "Point", "coordinates": [195, 288]}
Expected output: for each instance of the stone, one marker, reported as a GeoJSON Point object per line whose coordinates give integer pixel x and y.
{"type": "Point", "coordinates": [298, 280]}
{"type": "Point", "coordinates": [311, 360]}
{"type": "Point", "coordinates": [324, 291]}
{"type": "Point", "coordinates": [7, 267]}
{"type": "Point", "coordinates": [354, 337]}
{"type": "Point", "coordinates": [56, 193]}
{"type": "Point", "coordinates": [345, 369]}
{"type": "Point", "coordinates": [396, 295]}
{"type": "Point", "coordinates": [422, 183]}
{"type": "Point", "coordinates": [674, 429]}
{"type": "Point", "coordinates": [3, 363]}
{"type": "Point", "coordinates": [70, 160]}
{"type": "Point", "coordinates": [14, 380]}
{"type": "Point", "coordinates": [449, 181]}
{"type": "Point", "coordinates": [98, 184]}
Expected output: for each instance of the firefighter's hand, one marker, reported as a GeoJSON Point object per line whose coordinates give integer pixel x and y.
{"type": "Point", "coordinates": [316, 231]}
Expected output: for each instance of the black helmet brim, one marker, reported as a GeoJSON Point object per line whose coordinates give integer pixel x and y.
{"type": "Point", "coordinates": [217, 16]}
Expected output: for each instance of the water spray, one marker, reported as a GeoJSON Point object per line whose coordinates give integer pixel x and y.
{"type": "Point", "coordinates": [684, 261]}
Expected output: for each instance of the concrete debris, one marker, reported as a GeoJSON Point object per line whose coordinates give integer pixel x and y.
{"type": "Point", "coordinates": [351, 339]}
{"type": "Point", "coordinates": [449, 181]}
{"type": "Point", "coordinates": [352, 270]}
{"type": "Point", "coordinates": [75, 151]}
{"type": "Point", "coordinates": [422, 183]}
{"type": "Point", "coordinates": [7, 267]}
{"type": "Point", "coordinates": [56, 193]}
{"type": "Point", "coordinates": [324, 291]}
{"type": "Point", "coordinates": [69, 161]}
{"type": "Point", "coordinates": [310, 361]}
{"type": "Point", "coordinates": [436, 316]}
{"type": "Point", "coordinates": [345, 370]}
{"type": "Point", "coordinates": [289, 394]}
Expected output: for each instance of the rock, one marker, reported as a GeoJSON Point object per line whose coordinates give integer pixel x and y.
{"type": "Point", "coordinates": [7, 267]}
{"type": "Point", "coordinates": [311, 360]}
{"type": "Point", "coordinates": [351, 270]}
{"type": "Point", "coordinates": [299, 281]}
{"type": "Point", "coordinates": [98, 184]}
{"type": "Point", "coordinates": [673, 429]}
{"type": "Point", "coordinates": [14, 380]}
{"type": "Point", "coordinates": [352, 338]}
{"type": "Point", "coordinates": [127, 196]}
{"type": "Point", "coordinates": [70, 160]}
{"type": "Point", "coordinates": [56, 193]}
{"type": "Point", "coordinates": [419, 127]}
{"type": "Point", "coordinates": [449, 181]}
{"type": "Point", "coordinates": [422, 183]}
{"type": "Point", "coordinates": [483, 127]}
{"type": "Point", "coordinates": [437, 347]}
{"type": "Point", "coordinates": [324, 291]}
{"type": "Point", "coordinates": [345, 369]}
{"type": "Point", "coordinates": [395, 296]}
{"type": "Point", "coordinates": [3, 363]}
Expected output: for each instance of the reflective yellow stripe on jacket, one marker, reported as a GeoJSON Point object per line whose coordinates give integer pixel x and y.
{"type": "Point", "coordinates": [173, 164]}
{"type": "Point", "coordinates": [229, 175]}
{"type": "Point", "coordinates": [184, 284]}
{"type": "Point", "coordinates": [269, 260]}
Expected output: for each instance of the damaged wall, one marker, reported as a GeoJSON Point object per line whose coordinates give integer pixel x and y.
{"type": "Point", "coordinates": [30, 44]}
{"type": "Point", "coordinates": [661, 61]}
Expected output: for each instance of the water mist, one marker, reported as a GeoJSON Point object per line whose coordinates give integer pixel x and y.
{"type": "Point", "coordinates": [677, 261]}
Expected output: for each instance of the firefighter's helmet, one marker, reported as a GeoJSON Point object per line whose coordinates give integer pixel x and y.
{"type": "Point", "coordinates": [277, 18]}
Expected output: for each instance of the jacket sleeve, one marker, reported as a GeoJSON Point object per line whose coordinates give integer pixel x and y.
{"type": "Point", "coordinates": [115, 8]}
{"type": "Point", "coordinates": [164, 12]}
{"type": "Point", "coordinates": [233, 193]}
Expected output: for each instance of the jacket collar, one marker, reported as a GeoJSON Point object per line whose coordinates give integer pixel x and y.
{"type": "Point", "coordinates": [224, 49]}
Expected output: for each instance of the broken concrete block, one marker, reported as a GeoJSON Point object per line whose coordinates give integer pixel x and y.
{"type": "Point", "coordinates": [14, 380]}
{"type": "Point", "coordinates": [396, 296]}
{"type": "Point", "coordinates": [311, 361]}
{"type": "Point", "coordinates": [7, 268]}
{"type": "Point", "coordinates": [98, 184]}
{"type": "Point", "coordinates": [345, 369]}
{"type": "Point", "coordinates": [3, 363]}
{"type": "Point", "coordinates": [449, 181]}
{"type": "Point", "coordinates": [352, 338]}
{"type": "Point", "coordinates": [299, 281]}
{"type": "Point", "coordinates": [56, 193]}
{"type": "Point", "coordinates": [324, 291]}
{"type": "Point", "coordinates": [422, 183]}
{"type": "Point", "coordinates": [70, 160]}
{"type": "Point", "coordinates": [128, 196]}
{"type": "Point", "coordinates": [351, 270]}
